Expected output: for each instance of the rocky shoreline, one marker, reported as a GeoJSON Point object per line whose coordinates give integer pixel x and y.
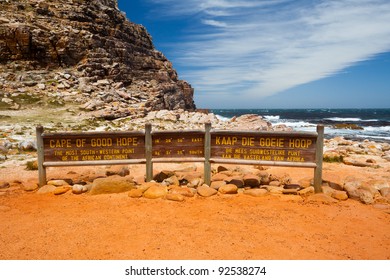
{"type": "Point", "coordinates": [18, 148]}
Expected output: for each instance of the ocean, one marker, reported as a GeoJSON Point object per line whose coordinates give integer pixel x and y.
{"type": "Point", "coordinates": [372, 124]}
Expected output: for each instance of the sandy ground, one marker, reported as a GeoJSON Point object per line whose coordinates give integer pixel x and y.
{"type": "Point", "coordinates": [223, 227]}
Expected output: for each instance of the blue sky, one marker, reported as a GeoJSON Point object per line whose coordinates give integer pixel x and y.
{"type": "Point", "coordinates": [274, 53]}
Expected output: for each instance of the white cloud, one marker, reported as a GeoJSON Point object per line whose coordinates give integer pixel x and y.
{"type": "Point", "coordinates": [265, 47]}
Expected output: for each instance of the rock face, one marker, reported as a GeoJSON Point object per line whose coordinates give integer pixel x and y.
{"type": "Point", "coordinates": [100, 56]}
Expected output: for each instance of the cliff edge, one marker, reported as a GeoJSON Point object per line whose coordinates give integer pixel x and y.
{"type": "Point", "coordinates": [59, 52]}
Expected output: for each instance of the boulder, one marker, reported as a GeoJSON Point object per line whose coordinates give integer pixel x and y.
{"type": "Point", "coordinates": [155, 192]}
{"type": "Point", "coordinates": [206, 191]}
{"type": "Point", "coordinates": [172, 181]}
{"type": "Point", "coordinates": [121, 171]}
{"type": "Point", "coordinates": [162, 175]}
{"type": "Point", "coordinates": [219, 177]}
{"type": "Point", "coordinates": [306, 191]}
{"type": "Point", "coordinates": [113, 184]}
{"type": "Point", "coordinates": [256, 192]}
{"type": "Point", "coordinates": [252, 180]}
{"type": "Point", "coordinates": [385, 192]}
{"type": "Point", "coordinates": [366, 196]}
{"type": "Point", "coordinates": [228, 189]}
{"type": "Point", "coordinates": [58, 183]}
{"type": "Point", "coordinates": [62, 190]}
{"type": "Point", "coordinates": [184, 191]}
{"type": "Point", "coordinates": [352, 187]}
{"type": "Point", "coordinates": [4, 185]}
{"type": "Point", "coordinates": [235, 180]}
{"type": "Point", "coordinates": [290, 191]}
{"type": "Point", "coordinates": [46, 189]}
{"type": "Point", "coordinates": [275, 190]}
{"type": "Point", "coordinates": [147, 185]}
{"type": "Point", "coordinates": [175, 197]}
{"type": "Point", "coordinates": [378, 184]}
{"type": "Point", "coordinates": [339, 195]}
{"type": "Point", "coordinates": [135, 193]}
{"type": "Point", "coordinates": [306, 182]}
{"type": "Point", "coordinates": [30, 186]}
{"type": "Point", "coordinates": [79, 189]}
{"type": "Point", "coordinates": [221, 168]}
{"type": "Point", "coordinates": [217, 184]}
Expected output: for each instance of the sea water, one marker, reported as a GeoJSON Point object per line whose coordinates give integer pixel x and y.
{"type": "Point", "coordinates": [374, 124]}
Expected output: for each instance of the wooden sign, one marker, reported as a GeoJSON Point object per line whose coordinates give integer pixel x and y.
{"type": "Point", "coordinates": [272, 147]}
{"type": "Point", "coordinates": [101, 146]}
{"type": "Point", "coordinates": [180, 144]}
{"type": "Point", "coordinates": [296, 149]}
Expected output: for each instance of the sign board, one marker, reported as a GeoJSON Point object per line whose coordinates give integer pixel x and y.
{"type": "Point", "coordinates": [273, 147]}
{"type": "Point", "coordinates": [71, 147]}
{"type": "Point", "coordinates": [296, 149]}
{"type": "Point", "coordinates": [180, 144]}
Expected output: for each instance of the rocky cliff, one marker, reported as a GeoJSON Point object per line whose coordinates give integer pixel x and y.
{"type": "Point", "coordinates": [57, 52]}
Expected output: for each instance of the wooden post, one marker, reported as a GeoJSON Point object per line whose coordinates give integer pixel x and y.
{"type": "Point", "coordinates": [207, 154]}
{"type": "Point", "coordinates": [41, 158]}
{"type": "Point", "coordinates": [148, 152]}
{"type": "Point", "coordinates": [319, 157]}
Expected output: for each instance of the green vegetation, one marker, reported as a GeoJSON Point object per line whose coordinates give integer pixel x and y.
{"type": "Point", "coordinates": [32, 165]}
{"type": "Point", "coordinates": [333, 159]}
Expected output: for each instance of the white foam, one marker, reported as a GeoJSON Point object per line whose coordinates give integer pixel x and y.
{"type": "Point", "coordinates": [336, 119]}
{"type": "Point", "coordinates": [377, 128]}
{"type": "Point", "coordinates": [272, 118]}
{"type": "Point", "coordinates": [222, 118]}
